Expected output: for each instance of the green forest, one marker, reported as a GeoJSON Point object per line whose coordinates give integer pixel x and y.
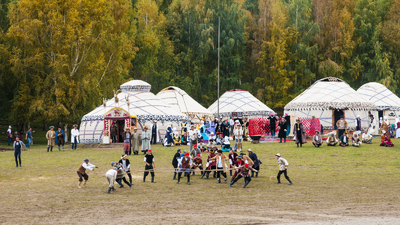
{"type": "Point", "coordinates": [59, 59]}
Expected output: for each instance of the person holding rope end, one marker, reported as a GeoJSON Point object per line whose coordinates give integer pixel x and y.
{"type": "Point", "coordinates": [244, 171]}
{"type": "Point", "coordinates": [126, 166]}
{"type": "Point", "coordinates": [150, 166]}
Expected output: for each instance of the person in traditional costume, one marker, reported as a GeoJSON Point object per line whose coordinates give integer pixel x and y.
{"type": "Point", "coordinates": [385, 125]}
{"type": "Point", "coordinates": [184, 139]}
{"type": "Point", "coordinates": [175, 161]}
{"type": "Point", "coordinates": [283, 165]}
{"type": "Point", "coordinates": [184, 127]}
{"type": "Point", "coordinates": [74, 137]}
{"type": "Point", "coordinates": [358, 125]}
{"type": "Point", "coordinates": [355, 140]}
{"type": "Point", "coordinates": [237, 163]}
{"type": "Point", "coordinates": [246, 159]}
{"type": "Point", "coordinates": [317, 140]}
{"type": "Point", "coordinates": [219, 126]}
{"type": "Point", "coordinates": [135, 141]}
{"type": "Point", "coordinates": [386, 140]}
{"type": "Point", "coordinates": [272, 124]}
{"type": "Point", "coordinates": [341, 126]}
{"type": "Point", "coordinates": [121, 176]}
{"type": "Point", "coordinates": [366, 137]}
{"type": "Point", "coordinates": [220, 164]}
{"type": "Point", "coordinates": [211, 145]}
{"type": "Point", "coordinates": [18, 145]}
{"type": "Point", "coordinates": [50, 136]}
{"type": "Point", "coordinates": [212, 137]}
{"type": "Point", "coordinates": [244, 171]}
{"type": "Point", "coordinates": [232, 160]}
{"type": "Point", "coordinates": [145, 140]}
{"type": "Point", "coordinates": [81, 171]}
{"type": "Point", "coordinates": [226, 143]}
{"type": "Point", "coordinates": [397, 128]}
{"type": "Point", "coordinates": [213, 124]}
{"type": "Point", "coordinates": [201, 146]}
{"type": "Point", "coordinates": [155, 135]}
{"type": "Point", "coordinates": [331, 140]}
{"type": "Point", "coordinates": [211, 165]}
{"type": "Point", "coordinates": [344, 140]}
{"type": "Point", "coordinates": [113, 130]}
{"type": "Point", "coordinates": [126, 166]}
{"type": "Point", "coordinates": [282, 125]}
{"type": "Point", "coordinates": [9, 135]}
{"type": "Point", "coordinates": [195, 151]}
{"type": "Point", "coordinates": [170, 140]}
{"type": "Point", "coordinates": [391, 130]}
{"type": "Point", "coordinates": [150, 166]}
{"type": "Point", "coordinates": [287, 118]}
{"type": "Point", "coordinates": [225, 128]}
{"type": "Point", "coordinates": [197, 163]}
{"type": "Point", "coordinates": [238, 138]}
{"type": "Point", "coordinates": [193, 135]}
{"type": "Point", "coordinates": [60, 138]}
{"type": "Point", "coordinates": [373, 127]}
{"type": "Point", "coordinates": [256, 161]}
{"type": "Point", "coordinates": [127, 141]}
{"type": "Point", "coordinates": [111, 177]}
{"type": "Point", "coordinates": [245, 127]}
{"type": "Point", "coordinates": [231, 125]}
{"type": "Point", "coordinates": [299, 134]}
{"type": "Point", "coordinates": [185, 167]}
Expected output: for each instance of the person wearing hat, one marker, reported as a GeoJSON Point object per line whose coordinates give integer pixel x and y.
{"type": "Point", "coordinates": [195, 151]}
{"type": "Point", "coordinates": [256, 161]}
{"type": "Point", "coordinates": [74, 136]}
{"type": "Point", "coordinates": [344, 140]}
{"type": "Point", "coordinates": [111, 177]}
{"type": "Point", "coordinates": [126, 166]}
{"type": "Point", "coordinates": [127, 141]}
{"type": "Point", "coordinates": [232, 125]}
{"type": "Point", "coordinates": [232, 160]}
{"type": "Point", "coordinates": [373, 127]}
{"type": "Point", "coordinates": [299, 134]}
{"type": "Point", "coordinates": [150, 166]}
{"type": "Point", "coordinates": [60, 137]}
{"type": "Point", "coordinates": [355, 140]}
{"type": "Point", "coordinates": [18, 145]}
{"type": "Point", "coordinates": [184, 126]}
{"type": "Point", "coordinates": [81, 171]}
{"type": "Point", "coordinates": [135, 141]}
{"type": "Point", "coordinates": [197, 163]}
{"type": "Point", "coordinates": [331, 140]}
{"type": "Point", "coordinates": [341, 126]}
{"type": "Point", "coordinates": [169, 134]}
{"type": "Point", "coordinates": [317, 140]}
{"type": "Point", "coordinates": [238, 138]}
{"type": "Point", "coordinates": [366, 137]}
{"type": "Point", "coordinates": [175, 161]}
{"type": "Point", "coordinates": [245, 127]}
{"type": "Point", "coordinates": [386, 140]}
{"type": "Point", "coordinates": [282, 126]}
{"type": "Point", "coordinates": [220, 164]}
{"type": "Point", "coordinates": [9, 135]}
{"type": "Point", "coordinates": [185, 167]}
{"type": "Point", "coordinates": [272, 124]}
{"type": "Point", "coordinates": [246, 159]}
{"type": "Point", "coordinates": [155, 135]}
{"type": "Point", "coordinates": [237, 164]}
{"type": "Point", "coordinates": [145, 140]}
{"type": "Point", "coordinates": [50, 136]}
{"type": "Point", "coordinates": [244, 171]}
{"type": "Point", "coordinates": [358, 124]}
{"type": "Point", "coordinates": [211, 165]}
{"type": "Point", "coordinates": [283, 165]}
{"type": "Point", "coordinates": [193, 134]}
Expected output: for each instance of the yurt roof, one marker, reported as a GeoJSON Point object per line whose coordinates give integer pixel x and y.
{"type": "Point", "coordinates": [179, 100]}
{"type": "Point", "coordinates": [377, 93]}
{"type": "Point", "coordinates": [330, 93]}
{"type": "Point", "coordinates": [240, 102]}
{"type": "Point", "coordinates": [142, 103]}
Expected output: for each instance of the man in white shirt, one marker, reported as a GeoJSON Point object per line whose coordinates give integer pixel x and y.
{"type": "Point", "coordinates": [81, 171]}
{"type": "Point", "coordinates": [220, 160]}
{"type": "Point", "coordinates": [9, 135]}
{"type": "Point", "coordinates": [238, 138]}
{"type": "Point", "coordinates": [366, 137]}
{"type": "Point", "coordinates": [231, 124]}
{"type": "Point", "coordinates": [74, 137]}
{"type": "Point", "coordinates": [283, 165]}
{"type": "Point", "coordinates": [192, 136]}
{"type": "Point", "coordinates": [111, 176]}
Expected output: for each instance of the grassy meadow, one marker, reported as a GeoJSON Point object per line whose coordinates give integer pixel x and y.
{"type": "Point", "coordinates": [329, 183]}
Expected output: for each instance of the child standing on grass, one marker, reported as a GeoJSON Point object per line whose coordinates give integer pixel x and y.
{"type": "Point", "coordinates": [18, 148]}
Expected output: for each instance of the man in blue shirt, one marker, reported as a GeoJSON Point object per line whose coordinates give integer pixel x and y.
{"type": "Point", "coordinates": [29, 137]}
{"type": "Point", "coordinates": [256, 165]}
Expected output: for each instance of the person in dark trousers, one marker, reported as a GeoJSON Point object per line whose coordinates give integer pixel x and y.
{"type": "Point", "coordinates": [272, 124]}
{"type": "Point", "coordinates": [282, 130]}
{"type": "Point", "coordinates": [18, 145]}
{"type": "Point", "coordinates": [29, 137]}
{"type": "Point", "coordinates": [121, 176]}
{"type": "Point", "coordinates": [287, 118]}
{"type": "Point", "coordinates": [9, 135]}
{"type": "Point", "coordinates": [256, 165]}
{"type": "Point", "coordinates": [244, 172]}
{"type": "Point", "coordinates": [126, 166]}
{"type": "Point", "coordinates": [283, 165]}
{"type": "Point", "coordinates": [177, 156]}
{"type": "Point", "coordinates": [111, 177]}
{"type": "Point", "coordinates": [220, 163]}
{"type": "Point", "coordinates": [299, 133]}
{"type": "Point", "coordinates": [197, 163]}
{"type": "Point", "coordinates": [150, 165]}
{"type": "Point", "coordinates": [154, 134]}
{"type": "Point", "coordinates": [211, 165]}
{"type": "Point", "coordinates": [185, 167]}
{"type": "Point", "coordinates": [60, 137]}
{"type": "Point", "coordinates": [232, 159]}
{"type": "Point", "coordinates": [81, 171]}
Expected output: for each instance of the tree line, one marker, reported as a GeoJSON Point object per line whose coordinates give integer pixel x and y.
{"type": "Point", "coordinates": [59, 59]}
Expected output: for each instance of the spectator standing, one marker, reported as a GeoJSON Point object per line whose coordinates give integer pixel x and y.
{"type": "Point", "coordinates": [74, 137]}
{"type": "Point", "coordinates": [29, 137]}
{"type": "Point", "coordinates": [17, 150]}
{"type": "Point", "coordinates": [9, 135]}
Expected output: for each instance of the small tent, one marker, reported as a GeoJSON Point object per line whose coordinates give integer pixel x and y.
{"type": "Point", "coordinates": [387, 103]}
{"type": "Point", "coordinates": [133, 106]}
{"type": "Point", "coordinates": [179, 100]}
{"type": "Point", "coordinates": [328, 99]}
{"type": "Point", "coordinates": [239, 103]}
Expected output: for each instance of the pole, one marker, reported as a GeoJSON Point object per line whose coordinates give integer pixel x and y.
{"type": "Point", "coordinates": [219, 22]}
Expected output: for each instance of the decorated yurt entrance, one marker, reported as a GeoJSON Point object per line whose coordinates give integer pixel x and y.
{"type": "Point", "coordinates": [121, 119]}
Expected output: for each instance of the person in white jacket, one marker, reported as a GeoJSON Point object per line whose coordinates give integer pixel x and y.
{"type": "Point", "coordinates": [74, 137]}
{"type": "Point", "coordinates": [111, 176]}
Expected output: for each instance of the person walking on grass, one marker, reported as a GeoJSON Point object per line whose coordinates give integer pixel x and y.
{"type": "Point", "coordinates": [50, 135]}
{"type": "Point", "coordinates": [81, 171]}
{"type": "Point", "coordinates": [60, 137]}
{"type": "Point", "coordinates": [18, 145]}
{"type": "Point", "coordinates": [29, 137]}
{"type": "Point", "coordinates": [150, 166]}
{"type": "Point", "coordinates": [111, 176]}
{"type": "Point", "coordinates": [283, 165]}
{"type": "Point", "coordinates": [74, 137]}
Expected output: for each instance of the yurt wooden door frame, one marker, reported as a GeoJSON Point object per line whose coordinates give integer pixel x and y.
{"type": "Point", "coordinates": [336, 114]}
{"type": "Point", "coordinates": [120, 116]}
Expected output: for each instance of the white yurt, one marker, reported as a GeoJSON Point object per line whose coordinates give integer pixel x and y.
{"type": "Point", "coordinates": [239, 103]}
{"type": "Point", "coordinates": [133, 106]}
{"type": "Point", "coordinates": [179, 100]}
{"type": "Point", "coordinates": [387, 103]}
{"type": "Point", "coordinates": [330, 98]}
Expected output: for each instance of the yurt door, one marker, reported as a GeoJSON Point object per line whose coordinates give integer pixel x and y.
{"type": "Point", "coordinates": [337, 113]}
{"type": "Point", "coordinates": [120, 130]}
{"type": "Point", "coordinates": [380, 114]}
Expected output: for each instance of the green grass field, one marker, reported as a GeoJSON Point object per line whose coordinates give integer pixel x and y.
{"type": "Point", "coordinates": [330, 183]}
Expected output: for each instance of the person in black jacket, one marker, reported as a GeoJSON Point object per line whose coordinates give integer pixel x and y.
{"type": "Point", "coordinates": [126, 166]}
{"type": "Point", "coordinates": [256, 165]}
{"type": "Point", "coordinates": [282, 130]}
{"type": "Point", "coordinates": [287, 118]}
{"type": "Point", "coordinates": [272, 125]}
{"type": "Point", "coordinates": [175, 161]}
